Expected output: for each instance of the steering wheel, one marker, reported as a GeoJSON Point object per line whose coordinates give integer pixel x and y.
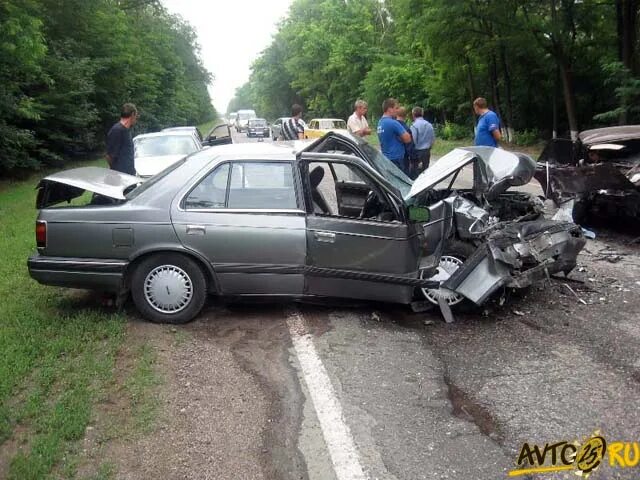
{"type": "Point", "coordinates": [371, 205]}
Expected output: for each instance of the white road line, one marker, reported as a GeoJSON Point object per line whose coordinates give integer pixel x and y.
{"type": "Point", "coordinates": [337, 436]}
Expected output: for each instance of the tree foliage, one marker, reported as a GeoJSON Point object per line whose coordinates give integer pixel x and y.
{"type": "Point", "coordinates": [66, 67]}
{"type": "Point", "coordinates": [543, 64]}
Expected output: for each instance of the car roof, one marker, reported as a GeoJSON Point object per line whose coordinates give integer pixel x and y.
{"type": "Point", "coordinates": [171, 133]}
{"type": "Point", "coordinates": [255, 151]}
{"type": "Point", "coordinates": [180, 129]}
{"type": "Point", "coordinates": [329, 119]}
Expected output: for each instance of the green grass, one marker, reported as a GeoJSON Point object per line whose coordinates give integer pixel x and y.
{"type": "Point", "coordinates": [58, 352]}
{"type": "Point", "coordinates": [143, 380]}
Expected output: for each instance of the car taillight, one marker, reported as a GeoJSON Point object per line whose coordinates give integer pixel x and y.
{"type": "Point", "coordinates": [41, 233]}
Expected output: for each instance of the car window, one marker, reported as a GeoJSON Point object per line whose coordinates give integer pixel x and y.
{"type": "Point", "coordinates": [219, 131]}
{"type": "Point", "coordinates": [345, 193]}
{"type": "Point", "coordinates": [165, 145]}
{"type": "Point", "coordinates": [211, 192]}
{"type": "Point", "coordinates": [345, 174]}
{"type": "Point", "coordinates": [262, 185]}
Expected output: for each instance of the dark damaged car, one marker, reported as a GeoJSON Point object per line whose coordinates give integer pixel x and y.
{"type": "Point", "coordinates": [332, 218]}
{"type": "Point", "coordinates": [596, 177]}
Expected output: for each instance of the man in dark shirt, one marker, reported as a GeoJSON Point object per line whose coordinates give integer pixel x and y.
{"type": "Point", "coordinates": [120, 143]}
{"type": "Point", "coordinates": [292, 129]}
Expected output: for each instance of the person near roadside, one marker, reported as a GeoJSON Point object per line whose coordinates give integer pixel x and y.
{"type": "Point", "coordinates": [488, 127]}
{"type": "Point", "coordinates": [357, 122]}
{"type": "Point", "coordinates": [401, 116]}
{"type": "Point", "coordinates": [423, 137]}
{"type": "Point", "coordinates": [391, 134]}
{"type": "Point", "coordinates": [293, 128]}
{"type": "Point", "coordinates": [120, 143]}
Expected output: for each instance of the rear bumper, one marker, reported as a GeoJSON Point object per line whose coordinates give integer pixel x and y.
{"type": "Point", "coordinates": [86, 273]}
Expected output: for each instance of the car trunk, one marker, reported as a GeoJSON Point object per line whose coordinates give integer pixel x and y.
{"type": "Point", "coordinates": [70, 184]}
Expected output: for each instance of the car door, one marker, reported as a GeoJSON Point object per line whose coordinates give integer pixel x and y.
{"type": "Point", "coordinates": [220, 135]}
{"type": "Point", "coordinates": [352, 257]}
{"type": "Point", "coordinates": [246, 218]}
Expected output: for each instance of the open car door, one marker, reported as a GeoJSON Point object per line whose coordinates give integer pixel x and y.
{"type": "Point", "coordinates": [220, 135]}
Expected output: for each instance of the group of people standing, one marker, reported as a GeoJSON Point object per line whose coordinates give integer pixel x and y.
{"type": "Point", "coordinates": [409, 148]}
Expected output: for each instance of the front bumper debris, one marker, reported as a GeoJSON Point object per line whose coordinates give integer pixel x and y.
{"type": "Point", "coordinates": [517, 255]}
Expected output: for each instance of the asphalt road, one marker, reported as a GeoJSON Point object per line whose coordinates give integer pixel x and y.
{"type": "Point", "coordinates": [289, 391]}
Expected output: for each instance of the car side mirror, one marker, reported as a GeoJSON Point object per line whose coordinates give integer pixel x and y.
{"type": "Point", "coordinates": [419, 214]}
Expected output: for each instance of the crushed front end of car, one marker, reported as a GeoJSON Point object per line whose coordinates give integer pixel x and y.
{"type": "Point", "coordinates": [515, 255]}
{"type": "Point", "coordinates": [487, 238]}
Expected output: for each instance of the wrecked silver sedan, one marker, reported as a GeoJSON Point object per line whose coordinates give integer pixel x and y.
{"type": "Point", "coordinates": [297, 220]}
{"type": "Point", "coordinates": [597, 177]}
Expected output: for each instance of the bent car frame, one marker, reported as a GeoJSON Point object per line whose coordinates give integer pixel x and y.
{"type": "Point", "coordinates": [301, 220]}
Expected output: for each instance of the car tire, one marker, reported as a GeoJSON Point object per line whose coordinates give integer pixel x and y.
{"type": "Point", "coordinates": [180, 277]}
{"type": "Point", "coordinates": [454, 255]}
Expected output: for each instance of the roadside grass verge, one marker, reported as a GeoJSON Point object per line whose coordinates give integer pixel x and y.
{"type": "Point", "coordinates": [58, 353]}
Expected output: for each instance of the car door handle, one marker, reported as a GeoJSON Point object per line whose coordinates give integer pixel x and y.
{"type": "Point", "coordinates": [196, 229]}
{"type": "Point", "coordinates": [327, 237]}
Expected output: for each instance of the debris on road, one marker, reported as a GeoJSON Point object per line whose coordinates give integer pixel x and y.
{"type": "Point", "coordinates": [575, 294]}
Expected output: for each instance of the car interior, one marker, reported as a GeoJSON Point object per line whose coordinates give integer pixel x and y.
{"type": "Point", "coordinates": [339, 189]}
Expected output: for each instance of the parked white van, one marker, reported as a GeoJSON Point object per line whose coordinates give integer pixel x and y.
{"type": "Point", "coordinates": [243, 119]}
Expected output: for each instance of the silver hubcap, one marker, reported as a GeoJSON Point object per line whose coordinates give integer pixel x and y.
{"type": "Point", "coordinates": [446, 267]}
{"type": "Point", "coordinates": [168, 289]}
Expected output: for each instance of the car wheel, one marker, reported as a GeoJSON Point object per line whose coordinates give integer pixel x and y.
{"type": "Point", "coordinates": [455, 254]}
{"type": "Point", "coordinates": [168, 288]}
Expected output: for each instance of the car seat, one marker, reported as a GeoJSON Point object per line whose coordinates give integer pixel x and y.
{"type": "Point", "coordinates": [320, 205]}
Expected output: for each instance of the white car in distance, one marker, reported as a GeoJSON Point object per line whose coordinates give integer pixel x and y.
{"type": "Point", "coordinates": [153, 152]}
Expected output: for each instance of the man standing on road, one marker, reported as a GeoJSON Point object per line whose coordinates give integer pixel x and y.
{"type": "Point", "coordinates": [293, 129]}
{"type": "Point", "coordinates": [120, 143]}
{"type": "Point", "coordinates": [488, 128]}
{"type": "Point", "coordinates": [392, 134]}
{"type": "Point", "coordinates": [423, 138]}
{"type": "Point", "coordinates": [357, 123]}
{"type": "Point", "coordinates": [401, 116]}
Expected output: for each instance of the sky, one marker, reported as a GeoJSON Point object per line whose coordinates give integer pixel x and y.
{"type": "Point", "coordinates": [231, 35]}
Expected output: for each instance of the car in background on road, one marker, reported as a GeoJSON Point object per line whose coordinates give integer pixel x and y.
{"type": "Point", "coordinates": [305, 220]}
{"type": "Point", "coordinates": [242, 120]}
{"type": "Point", "coordinates": [258, 127]}
{"type": "Point", "coordinates": [194, 130]}
{"type": "Point", "coordinates": [276, 128]}
{"type": "Point", "coordinates": [318, 127]}
{"type": "Point", "coordinates": [153, 152]}
{"type": "Point", "coordinates": [232, 119]}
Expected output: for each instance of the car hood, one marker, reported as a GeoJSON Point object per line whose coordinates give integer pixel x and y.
{"type": "Point", "coordinates": [148, 166]}
{"type": "Point", "coordinates": [496, 171]}
{"type": "Point", "coordinates": [609, 134]}
{"type": "Point", "coordinates": [69, 184]}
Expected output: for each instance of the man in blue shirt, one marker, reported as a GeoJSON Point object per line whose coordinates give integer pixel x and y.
{"type": "Point", "coordinates": [488, 128]}
{"type": "Point", "coordinates": [392, 135]}
{"type": "Point", "coordinates": [423, 138]}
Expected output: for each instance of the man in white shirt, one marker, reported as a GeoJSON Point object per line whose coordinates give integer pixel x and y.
{"type": "Point", "coordinates": [357, 123]}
